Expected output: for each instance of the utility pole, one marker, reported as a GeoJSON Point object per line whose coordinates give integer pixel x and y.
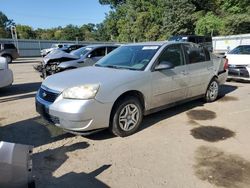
{"type": "Point", "coordinates": [14, 36]}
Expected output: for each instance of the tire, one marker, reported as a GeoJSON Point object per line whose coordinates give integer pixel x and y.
{"type": "Point", "coordinates": [212, 91]}
{"type": "Point", "coordinates": [8, 58]}
{"type": "Point", "coordinates": [126, 117]}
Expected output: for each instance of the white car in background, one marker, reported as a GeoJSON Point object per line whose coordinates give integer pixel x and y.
{"type": "Point", "coordinates": [46, 51]}
{"type": "Point", "coordinates": [239, 63]}
{"type": "Point", "coordinates": [6, 75]}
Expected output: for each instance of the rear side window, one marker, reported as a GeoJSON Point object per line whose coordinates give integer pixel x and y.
{"type": "Point", "coordinates": [195, 53]}
{"type": "Point", "coordinates": [99, 52]}
{"type": "Point", "coordinates": [172, 54]}
{"type": "Point", "coordinates": [110, 49]}
{"type": "Point", "coordinates": [9, 46]}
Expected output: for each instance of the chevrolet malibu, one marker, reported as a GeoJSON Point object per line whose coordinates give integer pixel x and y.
{"type": "Point", "coordinates": [132, 81]}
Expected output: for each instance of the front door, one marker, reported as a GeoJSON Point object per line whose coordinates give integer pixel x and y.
{"type": "Point", "coordinates": [170, 85]}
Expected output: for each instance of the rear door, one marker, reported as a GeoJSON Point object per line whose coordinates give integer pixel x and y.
{"type": "Point", "coordinates": [170, 85]}
{"type": "Point", "coordinates": [95, 55]}
{"type": "Point", "coordinates": [200, 68]}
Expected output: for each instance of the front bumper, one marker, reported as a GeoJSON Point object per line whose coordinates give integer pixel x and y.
{"type": "Point", "coordinates": [6, 77]}
{"type": "Point", "coordinates": [239, 72]}
{"type": "Point", "coordinates": [75, 115]}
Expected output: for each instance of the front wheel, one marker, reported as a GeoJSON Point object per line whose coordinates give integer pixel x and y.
{"type": "Point", "coordinates": [126, 117]}
{"type": "Point", "coordinates": [212, 91]}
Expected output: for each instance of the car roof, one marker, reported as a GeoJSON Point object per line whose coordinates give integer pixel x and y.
{"type": "Point", "coordinates": [102, 45]}
{"type": "Point", "coordinates": [155, 43]}
{"type": "Point", "coordinates": [243, 45]}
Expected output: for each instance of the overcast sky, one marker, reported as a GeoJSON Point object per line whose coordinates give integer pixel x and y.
{"type": "Point", "coordinates": [53, 13]}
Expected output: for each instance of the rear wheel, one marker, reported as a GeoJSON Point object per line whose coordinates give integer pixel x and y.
{"type": "Point", "coordinates": [126, 117]}
{"type": "Point", "coordinates": [212, 91]}
{"type": "Point", "coordinates": [8, 58]}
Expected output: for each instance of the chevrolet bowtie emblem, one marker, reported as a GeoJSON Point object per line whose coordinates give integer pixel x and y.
{"type": "Point", "coordinates": [44, 94]}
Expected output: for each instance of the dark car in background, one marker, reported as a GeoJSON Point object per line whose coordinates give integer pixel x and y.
{"type": "Point", "coordinates": [73, 47]}
{"type": "Point", "coordinates": [85, 56]}
{"type": "Point", "coordinates": [205, 41]}
{"type": "Point", "coordinates": [9, 51]}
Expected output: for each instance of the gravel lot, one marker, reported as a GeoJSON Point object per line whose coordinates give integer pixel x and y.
{"type": "Point", "coordinates": [193, 145]}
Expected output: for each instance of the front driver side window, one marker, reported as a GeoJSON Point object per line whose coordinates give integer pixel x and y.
{"type": "Point", "coordinates": [172, 54]}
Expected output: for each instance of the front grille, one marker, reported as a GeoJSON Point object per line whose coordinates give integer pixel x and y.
{"type": "Point", "coordinates": [238, 71]}
{"type": "Point", "coordinates": [47, 95]}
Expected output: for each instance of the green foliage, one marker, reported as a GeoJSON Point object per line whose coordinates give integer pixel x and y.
{"type": "Point", "coordinates": [178, 17]}
{"type": "Point", "coordinates": [112, 3]}
{"type": "Point", "coordinates": [237, 24]}
{"type": "Point", "coordinates": [210, 24]}
{"type": "Point", "coordinates": [25, 32]}
{"type": "Point", "coordinates": [5, 25]}
{"type": "Point", "coordinates": [149, 20]}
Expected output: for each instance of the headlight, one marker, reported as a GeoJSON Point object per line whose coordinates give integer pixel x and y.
{"type": "Point", "coordinates": [248, 66]}
{"type": "Point", "coordinates": [81, 92]}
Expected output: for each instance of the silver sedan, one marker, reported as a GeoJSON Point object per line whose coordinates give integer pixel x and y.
{"type": "Point", "coordinates": [132, 81]}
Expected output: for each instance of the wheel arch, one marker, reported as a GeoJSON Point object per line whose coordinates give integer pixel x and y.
{"type": "Point", "coordinates": [134, 93]}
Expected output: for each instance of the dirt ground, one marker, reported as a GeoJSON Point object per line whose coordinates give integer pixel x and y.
{"type": "Point", "coordinates": [194, 145]}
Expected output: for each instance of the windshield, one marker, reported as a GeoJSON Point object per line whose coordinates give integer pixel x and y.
{"type": "Point", "coordinates": [81, 51]}
{"type": "Point", "coordinates": [129, 57]}
{"type": "Point", "coordinates": [241, 50]}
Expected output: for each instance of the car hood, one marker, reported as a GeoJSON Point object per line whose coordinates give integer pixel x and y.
{"type": "Point", "coordinates": [91, 75]}
{"type": "Point", "coordinates": [238, 59]}
{"type": "Point", "coordinates": [57, 55]}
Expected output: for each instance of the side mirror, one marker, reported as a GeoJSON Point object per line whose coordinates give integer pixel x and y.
{"type": "Point", "coordinates": [164, 65]}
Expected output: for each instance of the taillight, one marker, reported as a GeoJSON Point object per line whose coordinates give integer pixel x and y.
{"type": "Point", "coordinates": [226, 64]}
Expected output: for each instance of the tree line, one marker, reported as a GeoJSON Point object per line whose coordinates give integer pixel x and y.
{"type": "Point", "coordinates": [148, 20]}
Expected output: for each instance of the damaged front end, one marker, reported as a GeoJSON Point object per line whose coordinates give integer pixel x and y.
{"type": "Point", "coordinates": [50, 67]}
{"type": "Point", "coordinates": [47, 69]}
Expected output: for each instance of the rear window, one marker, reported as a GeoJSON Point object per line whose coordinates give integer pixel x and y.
{"type": "Point", "coordinates": [9, 46]}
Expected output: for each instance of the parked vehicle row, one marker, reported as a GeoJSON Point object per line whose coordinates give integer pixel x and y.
{"type": "Point", "coordinates": [60, 47]}
{"type": "Point", "coordinates": [132, 81]}
{"type": "Point", "coordinates": [59, 61]}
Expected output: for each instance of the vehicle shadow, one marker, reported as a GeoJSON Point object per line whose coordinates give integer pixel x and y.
{"type": "Point", "coordinates": [18, 89]}
{"type": "Point", "coordinates": [48, 161]}
{"type": "Point", "coordinates": [226, 89]}
{"type": "Point", "coordinates": [167, 113]}
{"type": "Point", "coordinates": [8, 99]}
{"type": "Point", "coordinates": [26, 60]}
{"type": "Point", "coordinates": [35, 132]}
